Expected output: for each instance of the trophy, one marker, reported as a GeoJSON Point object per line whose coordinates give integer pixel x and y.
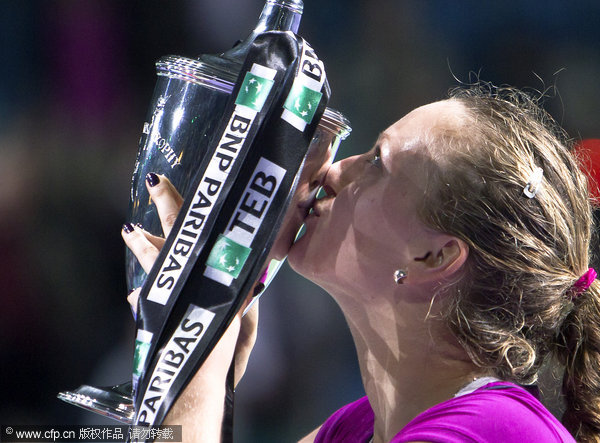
{"type": "Point", "coordinates": [187, 106]}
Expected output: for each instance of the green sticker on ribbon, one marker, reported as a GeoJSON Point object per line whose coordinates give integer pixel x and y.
{"type": "Point", "coordinates": [139, 358]}
{"type": "Point", "coordinates": [254, 91]}
{"type": "Point", "coordinates": [302, 102]}
{"type": "Point", "coordinates": [228, 256]}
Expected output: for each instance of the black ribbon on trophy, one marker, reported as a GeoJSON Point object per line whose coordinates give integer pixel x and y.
{"type": "Point", "coordinates": [236, 146]}
{"type": "Point", "coordinates": [219, 245]}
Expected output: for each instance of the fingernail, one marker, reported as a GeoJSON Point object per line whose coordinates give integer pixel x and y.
{"type": "Point", "coordinates": [258, 289]}
{"type": "Point", "coordinates": [139, 225]}
{"type": "Point", "coordinates": [128, 228]}
{"type": "Point", "coordinates": [152, 179]}
{"type": "Point", "coordinates": [133, 309]}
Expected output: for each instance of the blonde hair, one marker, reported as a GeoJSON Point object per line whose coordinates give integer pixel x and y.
{"type": "Point", "coordinates": [513, 308]}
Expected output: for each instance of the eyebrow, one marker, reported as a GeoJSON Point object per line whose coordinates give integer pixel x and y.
{"type": "Point", "coordinates": [382, 137]}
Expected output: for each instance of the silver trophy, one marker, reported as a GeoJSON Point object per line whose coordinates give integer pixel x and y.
{"type": "Point", "coordinates": [187, 105]}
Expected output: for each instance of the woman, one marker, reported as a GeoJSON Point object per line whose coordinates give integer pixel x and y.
{"type": "Point", "coordinates": [458, 251]}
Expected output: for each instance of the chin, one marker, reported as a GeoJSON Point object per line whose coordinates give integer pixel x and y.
{"type": "Point", "coordinates": [297, 256]}
{"type": "Point", "coordinates": [287, 233]}
{"type": "Point", "coordinates": [282, 245]}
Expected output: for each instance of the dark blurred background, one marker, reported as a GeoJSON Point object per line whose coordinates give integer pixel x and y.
{"type": "Point", "coordinates": [77, 77]}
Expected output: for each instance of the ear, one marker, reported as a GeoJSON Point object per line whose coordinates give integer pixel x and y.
{"type": "Point", "coordinates": [445, 258]}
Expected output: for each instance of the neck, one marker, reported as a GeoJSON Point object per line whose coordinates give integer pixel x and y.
{"type": "Point", "coordinates": [406, 365]}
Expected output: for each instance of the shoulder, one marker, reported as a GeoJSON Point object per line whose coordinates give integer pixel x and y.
{"type": "Point", "coordinates": [495, 409]}
{"type": "Point", "coordinates": [351, 423]}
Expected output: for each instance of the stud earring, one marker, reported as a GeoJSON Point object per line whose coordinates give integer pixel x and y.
{"type": "Point", "coordinates": [399, 276]}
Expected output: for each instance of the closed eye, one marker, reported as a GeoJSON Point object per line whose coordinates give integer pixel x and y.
{"type": "Point", "coordinates": [375, 159]}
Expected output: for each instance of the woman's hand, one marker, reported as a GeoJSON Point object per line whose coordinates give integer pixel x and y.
{"type": "Point", "coordinates": [199, 408]}
{"type": "Point", "coordinates": [144, 245]}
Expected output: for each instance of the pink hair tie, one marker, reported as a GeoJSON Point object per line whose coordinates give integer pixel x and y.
{"type": "Point", "coordinates": [584, 282]}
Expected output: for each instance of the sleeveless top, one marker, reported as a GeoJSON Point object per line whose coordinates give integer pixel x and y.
{"type": "Point", "coordinates": [496, 412]}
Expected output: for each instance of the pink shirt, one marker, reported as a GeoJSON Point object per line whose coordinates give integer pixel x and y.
{"type": "Point", "coordinates": [496, 412]}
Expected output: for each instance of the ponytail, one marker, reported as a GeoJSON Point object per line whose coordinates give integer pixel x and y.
{"type": "Point", "coordinates": [579, 349]}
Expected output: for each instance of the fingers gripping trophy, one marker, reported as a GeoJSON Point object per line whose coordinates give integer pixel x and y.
{"type": "Point", "coordinates": [248, 125]}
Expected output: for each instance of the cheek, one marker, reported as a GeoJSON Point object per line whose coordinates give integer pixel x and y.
{"type": "Point", "coordinates": [325, 240]}
{"type": "Point", "coordinates": [378, 228]}
{"type": "Point", "coordinates": [331, 260]}
{"type": "Point", "coordinates": [362, 234]}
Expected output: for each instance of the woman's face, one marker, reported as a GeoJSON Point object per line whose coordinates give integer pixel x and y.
{"type": "Point", "coordinates": [367, 225]}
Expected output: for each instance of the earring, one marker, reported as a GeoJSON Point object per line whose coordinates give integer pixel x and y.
{"type": "Point", "coordinates": [399, 276]}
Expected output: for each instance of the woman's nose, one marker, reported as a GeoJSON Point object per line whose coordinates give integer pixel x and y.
{"type": "Point", "coordinates": [318, 170]}
{"type": "Point", "coordinates": [340, 174]}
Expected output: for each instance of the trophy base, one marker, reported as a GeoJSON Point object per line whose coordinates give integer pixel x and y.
{"type": "Point", "coordinates": [114, 402]}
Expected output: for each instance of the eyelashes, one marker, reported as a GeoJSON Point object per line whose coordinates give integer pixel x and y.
{"type": "Point", "coordinates": [375, 159]}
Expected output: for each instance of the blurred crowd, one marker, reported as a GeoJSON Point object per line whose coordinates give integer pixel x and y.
{"type": "Point", "coordinates": [77, 78]}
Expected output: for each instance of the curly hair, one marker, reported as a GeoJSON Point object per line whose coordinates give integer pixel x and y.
{"type": "Point", "coordinates": [513, 307]}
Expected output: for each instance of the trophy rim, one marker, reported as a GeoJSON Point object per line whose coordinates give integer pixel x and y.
{"type": "Point", "coordinates": [215, 77]}
{"type": "Point", "coordinates": [296, 6]}
{"type": "Point", "coordinates": [335, 122]}
{"type": "Point", "coordinates": [196, 71]}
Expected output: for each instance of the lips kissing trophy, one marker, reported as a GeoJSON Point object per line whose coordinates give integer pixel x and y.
{"type": "Point", "coordinates": [246, 137]}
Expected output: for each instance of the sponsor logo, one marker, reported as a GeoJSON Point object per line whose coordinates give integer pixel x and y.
{"type": "Point", "coordinates": [302, 102]}
{"type": "Point", "coordinates": [228, 256]}
{"type": "Point", "coordinates": [210, 185]}
{"type": "Point", "coordinates": [254, 91]}
{"type": "Point", "coordinates": [172, 359]}
{"type": "Point", "coordinates": [232, 248]}
{"type": "Point", "coordinates": [142, 346]}
{"type": "Point", "coordinates": [304, 97]}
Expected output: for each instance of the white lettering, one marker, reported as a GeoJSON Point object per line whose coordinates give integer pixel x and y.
{"type": "Point", "coordinates": [173, 357]}
{"type": "Point", "coordinates": [251, 210]}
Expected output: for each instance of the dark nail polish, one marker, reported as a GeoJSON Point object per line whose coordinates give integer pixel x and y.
{"type": "Point", "coordinates": [152, 179]}
{"type": "Point", "coordinates": [128, 228]}
{"type": "Point", "coordinates": [258, 289]}
{"type": "Point", "coordinates": [139, 225]}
